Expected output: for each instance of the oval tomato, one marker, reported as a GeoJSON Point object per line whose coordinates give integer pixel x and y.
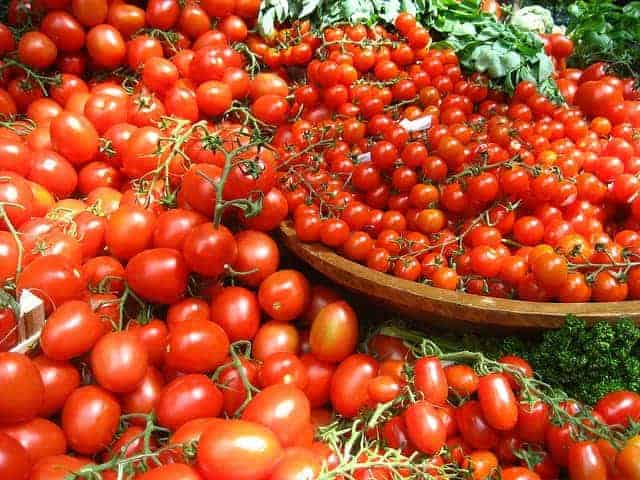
{"type": "Point", "coordinates": [498, 403]}
{"type": "Point", "coordinates": [349, 385]}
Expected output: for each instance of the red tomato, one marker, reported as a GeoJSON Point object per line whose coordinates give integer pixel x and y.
{"type": "Point", "coordinates": [208, 250]}
{"type": "Point", "coordinates": [196, 346]}
{"type": "Point", "coordinates": [619, 408]}
{"type": "Point", "coordinates": [424, 427]}
{"type": "Point", "coordinates": [284, 295]}
{"type": "Point", "coordinates": [90, 419]}
{"type": "Point", "coordinates": [235, 394]}
{"type": "Point", "coordinates": [171, 472]}
{"type": "Point", "coordinates": [258, 254]}
{"type": "Point", "coordinates": [74, 137]}
{"type": "Point", "coordinates": [186, 398]}
{"type": "Point", "coordinates": [474, 427]}
{"type": "Point", "coordinates": [430, 380]}
{"type": "Point", "coordinates": [497, 401]}
{"type": "Point", "coordinates": [57, 467]}
{"type": "Point", "coordinates": [334, 332]}
{"type": "Point", "coordinates": [158, 275]}
{"type": "Point", "coordinates": [349, 385]}
{"type": "Point", "coordinates": [519, 473]}
{"type": "Point", "coordinates": [145, 396]}
{"type": "Point", "coordinates": [586, 462]}
{"type": "Point", "coordinates": [21, 388]}
{"type": "Point", "coordinates": [39, 437]}
{"type": "Point", "coordinates": [238, 449]}
{"type": "Point", "coordinates": [70, 331]}
{"type": "Point", "coordinates": [237, 311]}
{"type": "Point", "coordinates": [119, 362]}
{"type": "Point", "coordinates": [60, 379]}
{"type": "Point", "coordinates": [533, 421]}
{"type": "Point", "coordinates": [14, 462]}
{"type": "Point", "coordinates": [273, 337]}
{"type": "Point", "coordinates": [284, 409]}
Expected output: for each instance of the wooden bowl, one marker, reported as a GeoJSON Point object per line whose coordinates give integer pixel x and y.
{"type": "Point", "coordinates": [445, 308]}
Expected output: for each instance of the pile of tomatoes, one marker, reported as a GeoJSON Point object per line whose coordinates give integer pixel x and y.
{"type": "Point", "coordinates": [145, 156]}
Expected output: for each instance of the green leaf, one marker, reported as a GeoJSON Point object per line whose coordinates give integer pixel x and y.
{"type": "Point", "coordinates": [511, 61]}
{"type": "Point", "coordinates": [388, 10]}
{"type": "Point", "coordinates": [308, 6]}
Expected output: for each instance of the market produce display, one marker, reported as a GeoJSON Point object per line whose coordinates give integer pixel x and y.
{"type": "Point", "coordinates": [148, 149]}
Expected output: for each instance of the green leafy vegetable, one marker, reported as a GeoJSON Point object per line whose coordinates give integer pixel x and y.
{"type": "Point", "coordinates": [605, 31]}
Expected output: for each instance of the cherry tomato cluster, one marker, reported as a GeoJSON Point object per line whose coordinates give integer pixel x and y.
{"type": "Point", "coordinates": [145, 156]}
{"type": "Point", "coordinates": [400, 162]}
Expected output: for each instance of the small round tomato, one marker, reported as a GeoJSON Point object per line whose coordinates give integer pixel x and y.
{"type": "Point", "coordinates": [237, 311]}
{"type": "Point", "coordinates": [159, 275]}
{"type": "Point", "coordinates": [208, 249]}
{"type": "Point", "coordinates": [196, 346]}
{"type": "Point", "coordinates": [144, 397]}
{"type": "Point", "coordinates": [284, 295]}
{"type": "Point", "coordinates": [619, 408]}
{"type": "Point", "coordinates": [90, 419]}
{"type": "Point", "coordinates": [39, 437]}
{"type": "Point", "coordinates": [257, 254]}
{"type": "Point", "coordinates": [60, 379]}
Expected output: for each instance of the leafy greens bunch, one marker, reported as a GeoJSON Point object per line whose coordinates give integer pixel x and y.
{"type": "Point", "coordinates": [507, 53]}
{"type": "Point", "coordinates": [605, 31]}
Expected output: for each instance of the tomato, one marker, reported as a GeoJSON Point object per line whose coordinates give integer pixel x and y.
{"type": "Point", "coordinates": [235, 394]}
{"type": "Point", "coordinates": [462, 379]}
{"type": "Point", "coordinates": [209, 249]}
{"type": "Point", "coordinates": [245, 179]}
{"type": "Point", "coordinates": [271, 109]}
{"type": "Point", "coordinates": [297, 463]}
{"type": "Point", "coordinates": [285, 368]}
{"type": "Point", "coordinates": [284, 409]}
{"type": "Point", "coordinates": [267, 83]}
{"type": "Point", "coordinates": [39, 437]}
{"type": "Point", "coordinates": [171, 472]}
{"type": "Point", "coordinates": [284, 295]}
{"type": "Point", "coordinates": [186, 398]}
{"type": "Point", "coordinates": [586, 462]}
{"type": "Point", "coordinates": [60, 379]}
{"type": "Point", "coordinates": [475, 429]}
{"type": "Point", "coordinates": [196, 346]}
{"type": "Point", "coordinates": [533, 421]}
{"type": "Point", "coordinates": [21, 388]}
{"type": "Point", "coordinates": [53, 278]}
{"type": "Point", "coordinates": [144, 397]}
{"type": "Point", "coordinates": [213, 98]}
{"type": "Point", "coordinates": [119, 362]}
{"type": "Point", "coordinates": [334, 332]}
{"type": "Point", "coordinates": [14, 461]}
{"type": "Point", "coordinates": [57, 467]}
{"type": "Point", "coordinates": [158, 275]}
{"type": "Point", "coordinates": [258, 254]}
{"type": "Point", "coordinates": [70, 331]}
{"type": "Point", "coordinates": [430, 380]}
{"type": "Point", "coordinates": [16, 197]}
{"type": "Point", "coordinates": [424, 427]}
{"type": "Point", "coordinates": [497, 401]}
{"type": "Point", "coordinates": [239, 449]}
{"type": "Point", "coordinates": [349, 385]}
{"type": "Point", "coordinates": [596, 98]}
{"type": "Point", "coordinates": [273, 337]}
{"type": "Point", "coordinates": [237, 311]}
{"type": "Point", "coordinates": [619, 408]}
{"type": "Point", "coordinates": [627, 461]}
{"type": "Point", "coordinates": [14, 156]}
{"type": "Point", "coordinates": [8, 329]}
{"type": "Point", "coordinates": [153, 337]}
{"type": "Point", "coordinates": [90, 418]}
{"type": "Point", "coordinates": [519, 473]}
{"type": "Point", "coordinates": [74, 137]}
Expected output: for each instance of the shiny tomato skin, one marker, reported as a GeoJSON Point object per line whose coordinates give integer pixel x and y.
{"type": "Point", "coordinates": [238, 449]}
{"type": "Point", "coordinates": [237, 311]}
{"type": "Point", "coordinates": [424, 427]}
{"type": "Point", "coordinates": [208, 250]}
{"type": "Point", "coordinates": [586, 462]}
{"type": "Point", "coordinates": [60, 379]}
{"type": "Point", "coordinates": [158, 275]}
{"type": "Point", "coordinates": [284, 295]}
{"type": "Point", "coordinates": [284, 409]}
{"type": "Point", "coordinates": [498, 403]}
{"type": "Point", "coordinates": [14, 461]}
{"type": "Point", "coordinates": [153, 336]}
{"type": "Point", "coordinates": [74, 137]}
{"type": "Point", "coordinates": [196, 346]}
{"type": "Point", "coordinates": [519, 473]}
{"type": "Point", "coordinates": [53, 278]}
{"type": "Point", "coordinates": [273, 337]}
{"type": "Point", "coordinates": [119, 361]}
{"type": "Point", "coordinates": [235, 393]}
{"type": "Point", "coordinates": [533, 421]}
{"type": "Point", "coordinates": [186, 398]}
{"type": "Point", "coordinates": [619, 408]}
{"type": "Point", "coordinates": [57, 467]}
{"type": "Point", "coordinates": [21, 388]}
{"type": "Point", "coordinates": [175, 471]}
{"type": "Point", "coordinates": [334, 332]}
{"type": "Point", "coordinates": [70, 331]}
{"type": "Point", "coordinates": [430, 380]}
{"type": "Point", "coordinates": [349, 385]}
{"type": "Point", "coordinates": [146, 394]}
{"type": "Point", "coordinates": [129, 231]}
{"type": "Point", "coordinates": [474, 427]}
{"type": "Point", "coordinates": [90, 418]}
{"type": "Point", "coordinates": [39, 437]}
{"type": "Point", "coordinates": [256, 251]}
{"type": "Point", "coordinates": [172, 227]}
{"type": "Point", "coordinates": [319, 374]}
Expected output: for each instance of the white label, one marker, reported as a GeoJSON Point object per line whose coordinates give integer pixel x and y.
{"type": "Point", "coordinates": [416, 125]}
